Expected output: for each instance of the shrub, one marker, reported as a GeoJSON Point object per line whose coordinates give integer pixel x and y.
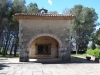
{"type": "Point", "coordinates": [95, 53]}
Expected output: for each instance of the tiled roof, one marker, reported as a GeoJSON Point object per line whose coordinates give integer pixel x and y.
{"type": "Point", "coordinates": [43, 16]}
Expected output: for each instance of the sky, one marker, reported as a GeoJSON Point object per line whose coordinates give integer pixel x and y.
{"type": "Point", "coordinates": [60, 5]}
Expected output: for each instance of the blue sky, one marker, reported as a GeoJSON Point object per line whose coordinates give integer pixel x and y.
{"type": "Point", "coordinates": [60, 5]}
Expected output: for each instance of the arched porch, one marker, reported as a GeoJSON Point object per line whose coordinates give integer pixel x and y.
{"type": "Point", "coordinates": [44, 46]}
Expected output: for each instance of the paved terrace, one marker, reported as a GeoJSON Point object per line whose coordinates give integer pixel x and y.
{"type": "Point", "coordinates": [77, 66]}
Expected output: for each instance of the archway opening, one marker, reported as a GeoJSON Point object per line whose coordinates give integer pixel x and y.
{"type": "Point", "coordinates": [44, 47]}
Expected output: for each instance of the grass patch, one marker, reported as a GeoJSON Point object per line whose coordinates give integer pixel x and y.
{"type": "Point", "coordinates": [85, 54]}
{"type": "Point", "coordinates": [8, 56]}
{"type": "Point", "coordinates": [79, 55]}
{"type": "Point", "coordinates": [94, 49]}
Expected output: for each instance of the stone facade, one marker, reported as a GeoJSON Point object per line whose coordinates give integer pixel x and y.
{"type": "Point", "coordinates": [54, 33]}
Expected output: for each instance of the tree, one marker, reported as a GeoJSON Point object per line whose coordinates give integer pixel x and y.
{"type": "Point", "coordinates": [18, 6]}
{"type": "Point", "coordinates": [4, 24]}
{"type": "Point", "coordinates": [9, 27]}
{"type": "Point", "coordinates": [66, 11]}
{"type": "Point", "coordinates": [32, 8]}
{"type": "Point", "coordinates": [98, 37]}
{"type": "Point", "coordinates": [83, 25]}
{"type": "Point", "coordinates": [93, 46]}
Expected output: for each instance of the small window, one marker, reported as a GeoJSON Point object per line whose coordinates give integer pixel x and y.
{"type": "Point", "coordinates": [43, 49]}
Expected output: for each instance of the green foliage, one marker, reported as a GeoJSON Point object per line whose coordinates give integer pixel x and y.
{"type": "Point", "coordinates": [93, 46]}
{"type": "Point", "coordinates": [83, 25]}
{"type": "Point", "coordinates": [1, 49]}
{"type": "Point", "coordinates": [9, 27]}
{"type": "Point", "coordinates": [32, 8]}
{"type": "Point", "coordinates": [98, 47]}
{"type": "Point", "coordinates": [90, 52]}
{"type": "Point", "coordinates": [97, 37]}
{"type": "Point", "coordinates": [18, 6]}
{"type": "Point", "coordinates": [95, 53]}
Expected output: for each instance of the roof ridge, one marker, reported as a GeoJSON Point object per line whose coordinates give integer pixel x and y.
{"type": "Point", "coordinates": [45, 14]}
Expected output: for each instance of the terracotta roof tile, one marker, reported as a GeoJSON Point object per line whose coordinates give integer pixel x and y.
{"type": "Point", "coordinates": [43, 16]}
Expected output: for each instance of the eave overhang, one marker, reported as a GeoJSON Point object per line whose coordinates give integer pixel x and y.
{"type": "Point", "coordinates": [43, 16]}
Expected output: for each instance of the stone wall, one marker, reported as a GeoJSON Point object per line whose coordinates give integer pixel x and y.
{"type": "Point", "coordinates": [29, 29]}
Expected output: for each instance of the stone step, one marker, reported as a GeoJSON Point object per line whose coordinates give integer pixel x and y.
{"type": "Point", "coordinates": [43, 56]}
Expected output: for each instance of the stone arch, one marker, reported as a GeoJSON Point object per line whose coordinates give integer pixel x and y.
{"type": "Point", "coordinates": [45, 34]}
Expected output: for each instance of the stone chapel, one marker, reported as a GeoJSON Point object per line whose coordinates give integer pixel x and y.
{"type": "Point", "coordinates": [44, 35]}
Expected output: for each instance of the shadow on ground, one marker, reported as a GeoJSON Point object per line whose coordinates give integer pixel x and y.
{"type": "Point", "coordinates": [2, 66]}
{"type": "Point", "coordinates": [58, 61]}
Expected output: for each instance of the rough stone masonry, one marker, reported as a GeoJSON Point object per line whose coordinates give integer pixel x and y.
{"type": "Point", "coordinates": [44, 35]}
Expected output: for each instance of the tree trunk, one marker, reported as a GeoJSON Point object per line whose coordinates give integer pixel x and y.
{"type": "Point", "coordinates": [5, 51]}
{"type": "Point", "coordinates": [15, 50]}
{"type": "Point", "coordinates": [12, 47]}
{"type": "Point", "coordinates": [7, 48]}
{"type": "Point", "coordinates": [77, 45]}
{"type": "Point", "coordinates": [16, 44]}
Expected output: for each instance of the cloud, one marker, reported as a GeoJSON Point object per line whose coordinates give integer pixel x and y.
{"type": "Point", "coordinates": [50, 2]}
